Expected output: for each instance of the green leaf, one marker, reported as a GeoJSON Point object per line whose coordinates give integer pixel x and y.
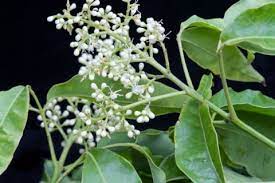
{"type": "Point", "coordinates": [173, 173]}
{"type": "Point", "coordinates": [234, 177]}
{"type": "Point", "coordinates": [152, 140]}
{"type": "Point", "coordinates": [116, 138]}
{"type": "Point", "coordinates": [104, 166]}
{"type": "Point", "coordinates": [48, 171]}
{"type": "Point", "coordinates": [250, 24]}
{"type": "Point", "coordinates": [14, 107]}
{"type": "Point", "coordinates": [205, 86]}
{"type": "Point", "coordinates": [200, 39]}
{"type": "Point", "coordinates": [248, 100]}
{"type": "Point", "coordinates": [242, 148]}
{"type": "Point", "coordinates": [197, 152]}
{"type": "Point", "coordinates": [158, 174]}
{"type": "Point", "coordinates": [77, 88]}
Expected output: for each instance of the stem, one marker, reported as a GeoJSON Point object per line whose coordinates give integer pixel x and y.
{"type": "Point", "coordinates": [61, 131]}
{"type": "Point", "coordinates": [189, 89]}
{"type": "Point", "coordinates": [166, 57]}
{"type": "Point", "coordinates": [183, 62]}
{"type": "Point", "coordinates": [66, 150]}
{"type": "Point", "coordinates": [34, 110]}
{"type": "Point", "coordinates": [71, 168]}
{"type": "Point", "coordinates": [49, 137]}
{"type": "Point", "coordinates": [130, 106]}
{"type": "Point", "coordinates": [231, 109]}
{"type": "Point", "coordinates": [42, 113]}
{"type": "Point", "coordinates": [254, 133]}
{"type": "Point", "coordinates": [194, 94]}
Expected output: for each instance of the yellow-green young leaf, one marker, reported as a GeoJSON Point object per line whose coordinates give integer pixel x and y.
{"type": "Point", "coordinates": [243, 149]}
{"type": "Point", "coordinates": [248, 100]}
{"type": "Point", "coordinates": [197, 152]}
{"type": "Point", "coordinates": [104, 166]}
{"type": "Point", "coordinates": [77, 88]}
{"type": "Point", "coordinates": [14, 106]}
{"type": "Point", "coordinates": [200, 39]}
{"type": "Point", "coordinates": [250, 24]}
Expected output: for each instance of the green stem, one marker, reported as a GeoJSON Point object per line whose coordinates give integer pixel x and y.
{"type": "Point", "coordinates": [49, 138]}
{"type": "Point", "coordinates": [194, 94]}
{"type": "Point", "coordinates": [71, 167]}
{"type": "Point", "coordinates": [254, 133]}
{"type": "Point", "coordinates": [231, 109]}
{"type": "Point", "coordinates": [189, 89]}
{"type": "Point", "coordinates": [66, 150]}
{"type": "Point", "coordinates": [166, 57]}
{"type": "Point", "coordinates": [183, 62]}
{"type": "Point", "coordinates": [152, 99]}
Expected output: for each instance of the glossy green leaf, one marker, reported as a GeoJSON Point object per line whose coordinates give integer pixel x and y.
{"type": "Point", "coordinates": [197, 152]}
{"type": "Point", "coordinates": [248, 100]}
{"type": "Point", "coordinates": [200, 39]}
{"type": "Point", "coordinates": [157, 173]}
{"type": "Point", "coordinates": [196, 143]}
{"type": "Point", "coordinates": [152, 140]}
{"type": "Point", "coordinates": [115, 138]}
{"type": "Point", "coordinates": [77, 88]}
{"type": "Point", "coordinates": [234, 177]}
{"type": "Point", "coordinates": [242, 148]}
{"type": "Point", "coordinates": [14, 106]}
{"type": "Point", "coordinates": [104, 166]}
{"type": "Point", "coordinates": [173, 173]}
{"type": "Point", "coordinates": [250, 24]}
{"type": "Point", "coordinates": [195, 21]}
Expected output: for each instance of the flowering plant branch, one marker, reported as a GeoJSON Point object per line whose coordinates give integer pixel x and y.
{"type": "Point", "coordinates": [216, 136]}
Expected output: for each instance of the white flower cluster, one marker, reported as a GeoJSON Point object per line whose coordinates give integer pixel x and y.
{"type": "Point", "coordinates": [106, 49]}
{"type": "Point", "coordinates": [90, 122]}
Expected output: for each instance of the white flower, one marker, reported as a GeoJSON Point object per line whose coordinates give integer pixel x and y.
{"type": "Point", "coordinates": [105, 49]}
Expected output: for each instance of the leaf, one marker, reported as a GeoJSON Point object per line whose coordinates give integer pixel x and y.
{"type": "Point", "coordinates": [196, 142]}
{"type": "Point", "coordinates": [205, 86]}
{"type": "Point", "coordinates": [240, 147]}
{"type": "Point", "coordinates": [157, 173]}
{"type": "Point", "coordinates": [234, 177]}
{"type": "Point", "coordinates": [196, 21]}
{"type": "Point", "coordinates": [197, 152]}
{"type": "Point", "coordinates": [248, 100]}
{"type": "Point", "coordinates": [152, 140]}
{"type": "Point", "coordinates": [200, 39]}
{"type": "Point", "coordinates": [104, 166]}
{"type": "Point", "coordinates": [14, 107]}
{"type": "Point", "coordinates": [116, 138]}
{"type": "Point", "coordinates": [48, 171]}
{"type": "Point", "coordinates": [77, 88]}
{"type": "Point", "coordinates": [250, 24]}
{"type": "Point", "coordinates": [173, 173]}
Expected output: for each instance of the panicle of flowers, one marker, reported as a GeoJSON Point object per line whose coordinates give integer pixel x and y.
{"type": "Point", "coordinates": [105, 49]}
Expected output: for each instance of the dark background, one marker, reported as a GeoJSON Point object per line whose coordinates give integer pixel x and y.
{"type": "Point", "coordinates": [33, 52]}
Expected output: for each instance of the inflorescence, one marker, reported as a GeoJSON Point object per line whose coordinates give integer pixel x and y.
{"type": "Point", "coordinates": [104, 48]}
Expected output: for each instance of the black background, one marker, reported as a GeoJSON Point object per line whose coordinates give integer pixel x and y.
{"type": "Point", "coordinates": [33, 52]}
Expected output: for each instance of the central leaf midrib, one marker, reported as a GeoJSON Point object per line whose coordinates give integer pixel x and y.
{"type": "Point", "coordinates": [206, 144]}
{"type": "Point", "coordinates": [98, 168]}
{"type": "Point", "coordinates": [10, 106]}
